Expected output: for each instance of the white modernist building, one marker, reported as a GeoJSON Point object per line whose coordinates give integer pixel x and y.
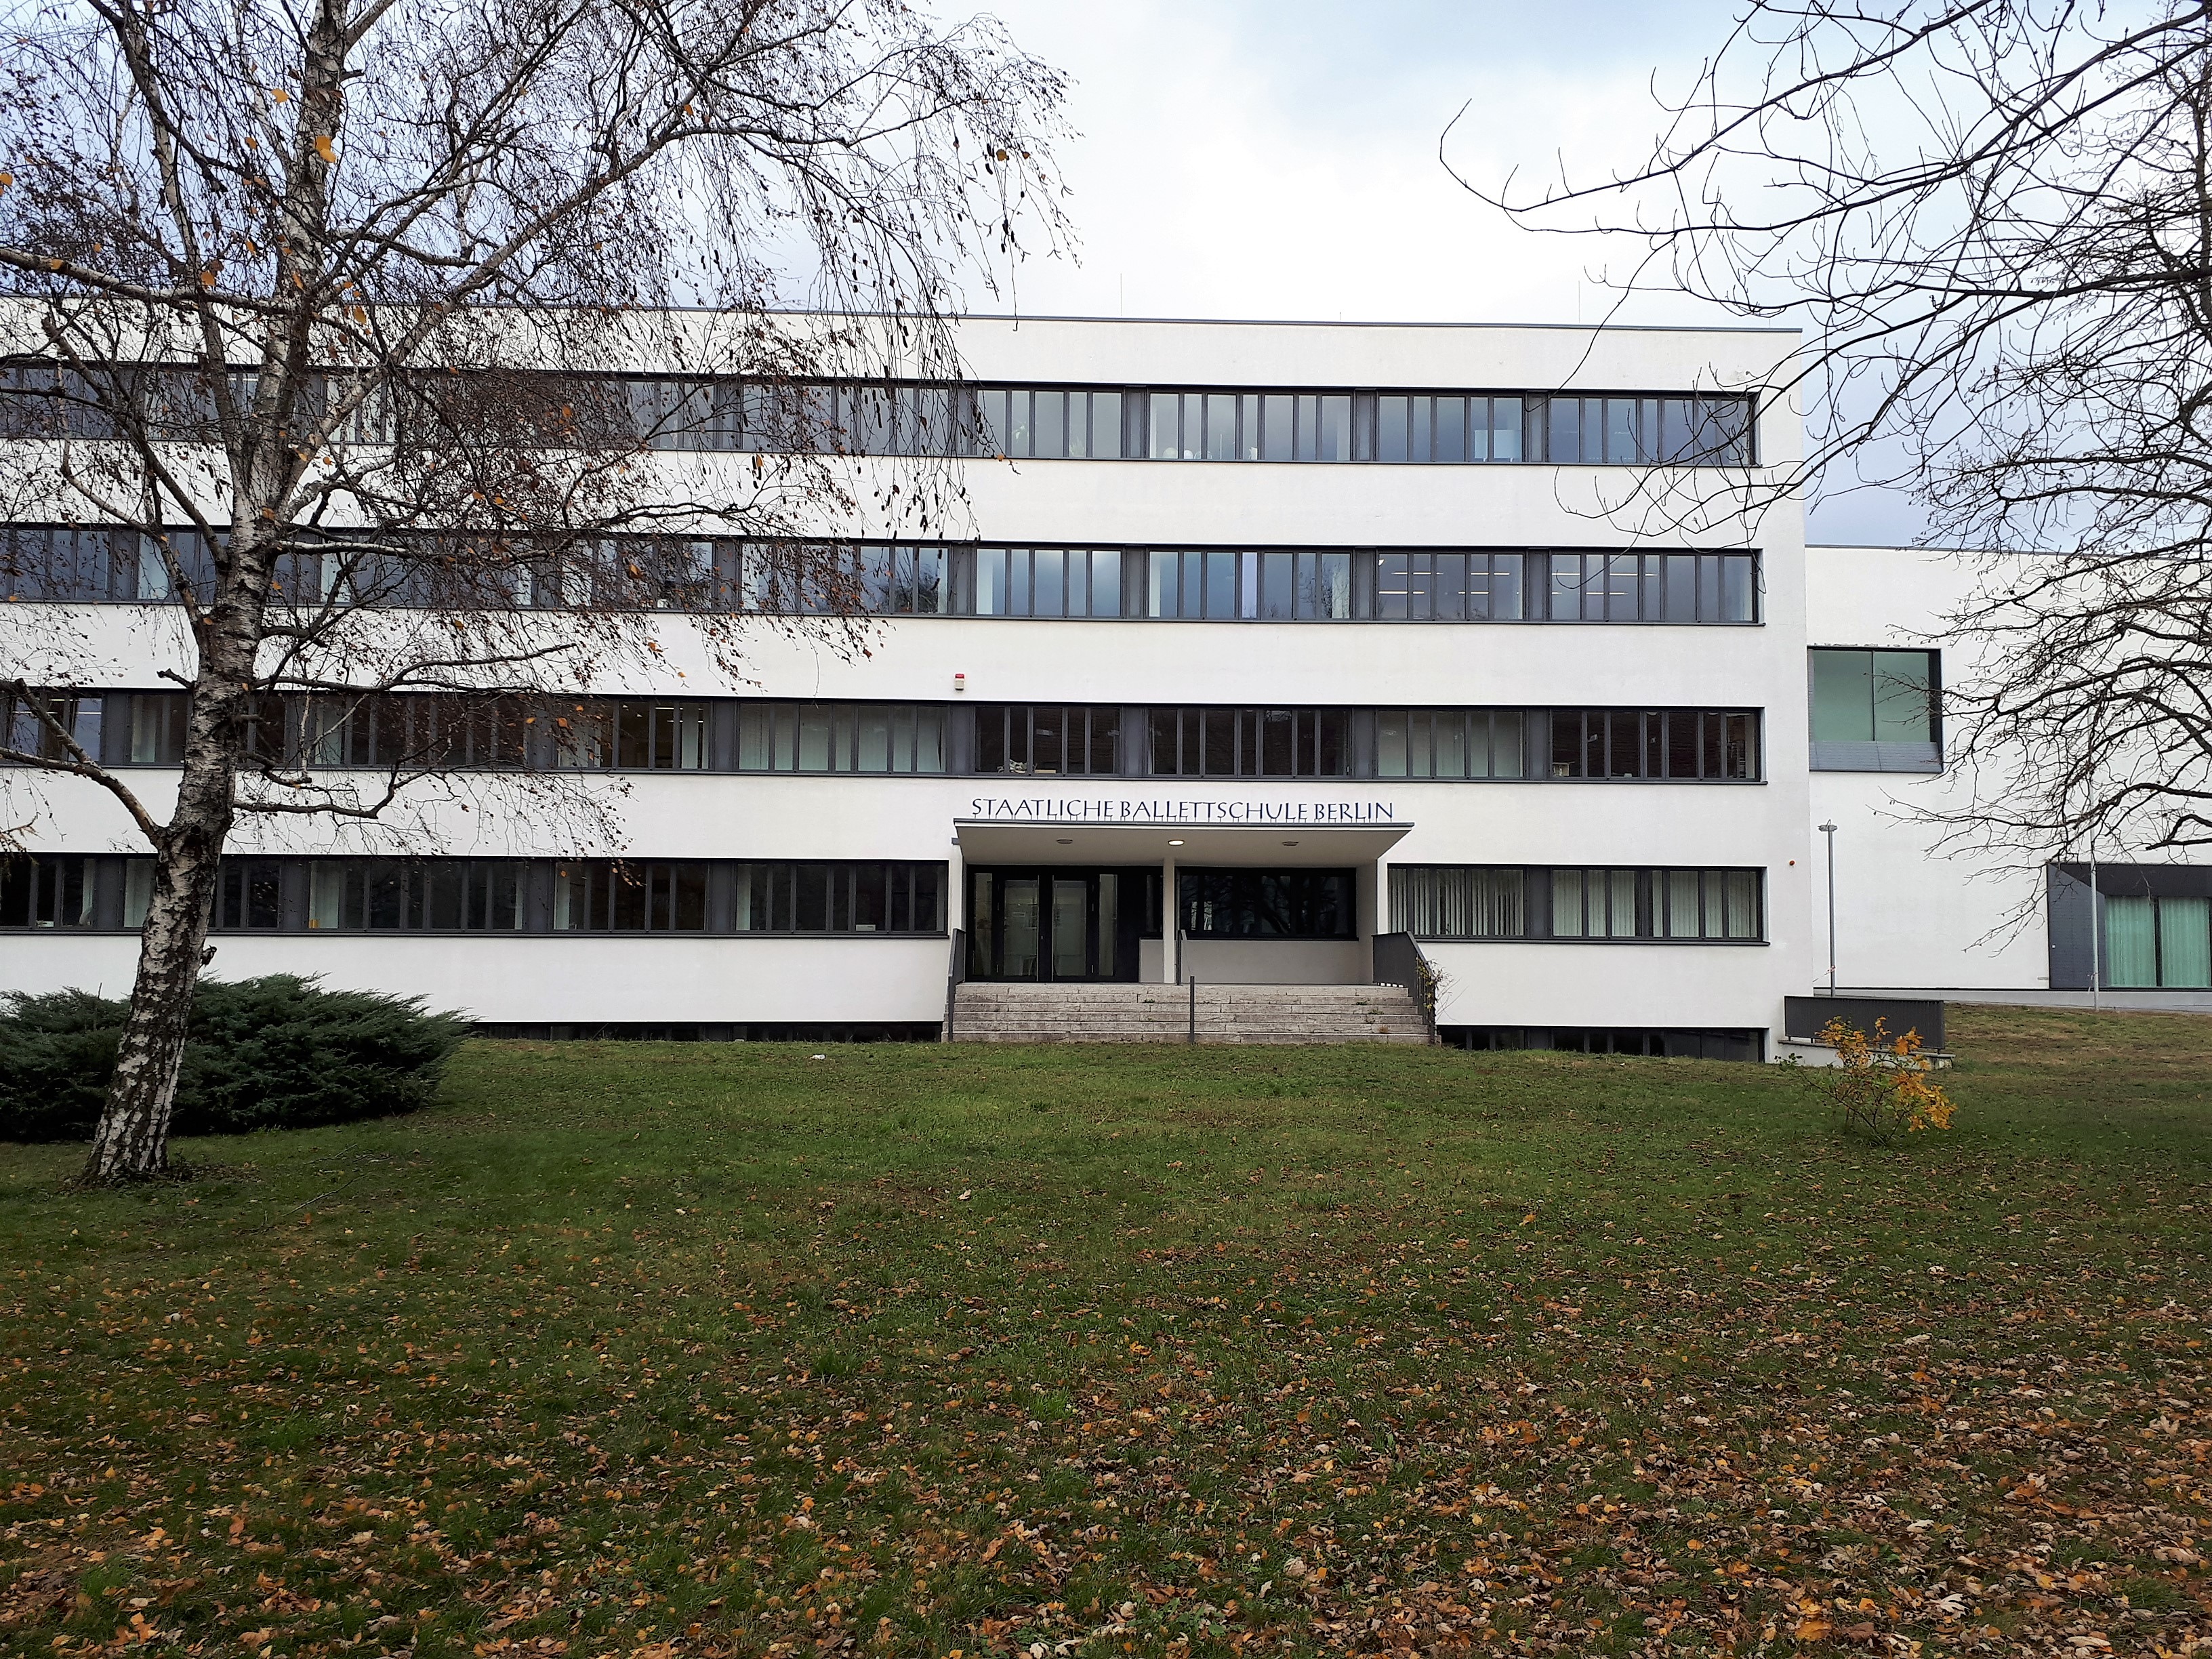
{"type": "Point", "coordinates": [1269, 641]}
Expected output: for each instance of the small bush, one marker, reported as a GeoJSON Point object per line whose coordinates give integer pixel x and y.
{"type": "Point", "coordinates": [1881, 1085]}
{"type": "Point", "coordinates": [261, 1053]}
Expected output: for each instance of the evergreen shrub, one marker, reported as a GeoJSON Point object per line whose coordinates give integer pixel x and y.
{"type": "Point", "coordinates": [278, 1053]}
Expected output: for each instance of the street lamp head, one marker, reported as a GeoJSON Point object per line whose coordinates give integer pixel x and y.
{"type": "Point", "coordinates": [1827, 828]}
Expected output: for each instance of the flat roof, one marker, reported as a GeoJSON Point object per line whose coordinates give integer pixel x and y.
{"type": "Point", "coordinates": [1260, 322]}
{"type": "Point", "coordinates": [1322, 322]}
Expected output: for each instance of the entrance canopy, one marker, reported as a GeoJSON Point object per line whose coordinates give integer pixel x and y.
{"type": "Point", "coordinates": [1258, 846]}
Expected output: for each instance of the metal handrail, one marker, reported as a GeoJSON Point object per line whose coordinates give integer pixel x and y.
{"type": "Point", "coordinates": [1399, 960]}
{"type": "Point", "coordinates": [955, 972]}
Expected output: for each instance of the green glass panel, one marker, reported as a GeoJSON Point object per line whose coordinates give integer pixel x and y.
{"type": "Point", "coordinates": [2185, 943]}
{"type": "Point", "coordinates": [1903, 697]}
{"type": "Point", "coordinates": [1843, 697]}
{"type": "Point", "coordinates": [1070, 935]}
{"type": "Point", "coordinates": [2131, 942]}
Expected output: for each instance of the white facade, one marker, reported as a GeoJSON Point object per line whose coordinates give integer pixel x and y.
{"type": "Point", "coordinates": [1922, 911]}
{"type": "Point", "coordinates": [1898, 907]}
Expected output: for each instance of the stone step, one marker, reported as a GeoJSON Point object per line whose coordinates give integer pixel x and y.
{"type": "Point", "coordinates": [1273, 1014]}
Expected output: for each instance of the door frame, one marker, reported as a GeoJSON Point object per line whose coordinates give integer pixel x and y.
{"type": "Point", "coordinates": [986, 954]}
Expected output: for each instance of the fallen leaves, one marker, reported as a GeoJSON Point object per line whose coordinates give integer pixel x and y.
{"type": "Point", "coordinates": [1353, 1407]}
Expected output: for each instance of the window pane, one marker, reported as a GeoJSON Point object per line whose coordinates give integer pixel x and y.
{"type": "Point", "coordinates": [1624, 745]}
{"type": "Point", "coordinates": [1275, 429]}
{"type": "Point", "coordinates": [1448, 601]}
{"type": "Point", "coordinates": [1681, 587]}
{"type": "Point", "coordinates": [753, 739]}
{"type": "Point", "coordinates": [1421, 587]}
{"type": "Point", "coordinates": [690, 899]}
{"type": "Point", "coordinates": [1620, 431]}
{"type": "Point", "coordinates": [1105, 728]}
{"type": "Point", "coordinates": [1506, 416]}
{"type": "Point", "coordinates": [1106, 425]}
{"type": "Point", "coordinates": [2131, 942]}
{"type": "Point", "coordinates": [1566, 904]}
{"type": "Point", "coordinates": [813, 737]}
{"type": "Point", "coordinates": [1166, 575]}
{"type": "Point", "coordinates": [1335, 430]}
{"type": "Point", "coordinates": [1333, 748]}
{"type": "Point", "coordinates": [1105, 583]}
{"type": "Point", "coordinates": [1048, 436]}
{"type": "Point", "coordinates": [1017, 582]}
{"type": "Point", "coordinates": [1165, 759]}
{"type": "Point", "coordinates": [1843, 697]}
{"type": "Point", "coordinates": [1563, 435]}
{"type": "Point", "coordinates": [1620, 907]}
{"type": "Point", "coordinates": [2185, 943]}
{"type": "Point", "coordinates": [1391, 419]}
{"type": "Point", "coordinates": [1566, 588]}
{"type": "Point", "coordinates": [1684, 916]}
{"type": "Point", "coordinates": [1047, 725]}
{"type": "Point", "coordinates": [1391, 751]}
{"type": "Point", "coordinates": [1505, 587]}
{"type": "Point", "coordinates": [1742, 888]}
{"type": "Point", "coordinates": [1218, 758]}
{"type": "Point", "coordinates": [928, 580]}
{"type": "Point", "coordinates": [1220, 426]}
{"type": "Point", "coordinates": [1904, 696]}
{"type": "Point", "coordinates": [1622, 595]}
{"type": "Point", "coordinates": [991, 739]}
{"type": "Point", "coordinates": [874, 740]}
{"type": "Point", "coordinates": [1078, 582]}
{"type": "Point", "coordinates": [1451, 429]}
{"type": "Point", "coordinates": [1335, 586]}
{"type": "Point", "coordinates": [1167, 426]}
{"type": "Point", "coordinates": [873, 566]}
{"type": "Point", "coordinates": [1278, 597]}
{"type": "Point", "coordinates": [1742, 747]}
{"type": "Point", "coordinates": [1392, 583]}
{"type": "Point", "coordinates": [1727, 431]}
{"type": "Point", "coordinates": [990, 581]}
{"type": "Point", "coordinates": [1735, 587]}
{"type": "Point", "coordinates": [1506, 740]}
{"type": "Point", "coordinates": [1048, 599]}
{"type": "Point", "coordinates": [1221, 585]}
{"type": "Point", "coordinates": [1450, 740]}
{"type": "Point", "coordinates": [1019, 428]}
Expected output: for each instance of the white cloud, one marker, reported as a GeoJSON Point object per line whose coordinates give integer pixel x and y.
{"type": "Point", "coordinates": [1237, 161]}
{"type": "Point", "coordinates": [1279, 159]}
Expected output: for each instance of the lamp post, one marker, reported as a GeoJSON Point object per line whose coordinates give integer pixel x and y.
{"type": "Point", "coordinates": [2096, 939]}
{"type": "Point", "coordinates": [1829, 830]}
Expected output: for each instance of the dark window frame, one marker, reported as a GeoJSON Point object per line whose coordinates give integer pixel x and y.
{"type": "Point", "coordinates": [1655, 889]}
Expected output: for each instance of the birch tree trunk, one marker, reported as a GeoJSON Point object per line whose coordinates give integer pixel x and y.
{"type": "Point", "coordinates": [132, 1142]}
{"type": "Point", "coordinates": [327, 314]}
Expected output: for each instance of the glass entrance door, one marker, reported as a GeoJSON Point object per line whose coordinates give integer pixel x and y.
{"type": "Point", "coordinates": [1037, 924]}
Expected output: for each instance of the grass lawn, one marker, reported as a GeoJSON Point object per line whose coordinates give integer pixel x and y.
{"type": "Point", "coordinates": [664, 1349]}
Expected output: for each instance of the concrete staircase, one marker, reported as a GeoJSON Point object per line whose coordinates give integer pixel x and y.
{"type": "Point", "coordinates": [1161, 1013]}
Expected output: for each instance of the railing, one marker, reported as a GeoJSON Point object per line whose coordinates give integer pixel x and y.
{"type": "Point", "coordinates": [1399, 960]}
{"type": "Point", "coordinates": [956, 971]}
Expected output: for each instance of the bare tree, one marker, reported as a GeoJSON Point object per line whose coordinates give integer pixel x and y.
{"type": "Point", "coordinates": [1994, 218]}
{"type": "Point", "coordinates": [333, 319]}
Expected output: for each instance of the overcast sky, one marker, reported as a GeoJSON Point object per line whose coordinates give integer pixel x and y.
{"type": "Point", "coordinates": [1278, 158]}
